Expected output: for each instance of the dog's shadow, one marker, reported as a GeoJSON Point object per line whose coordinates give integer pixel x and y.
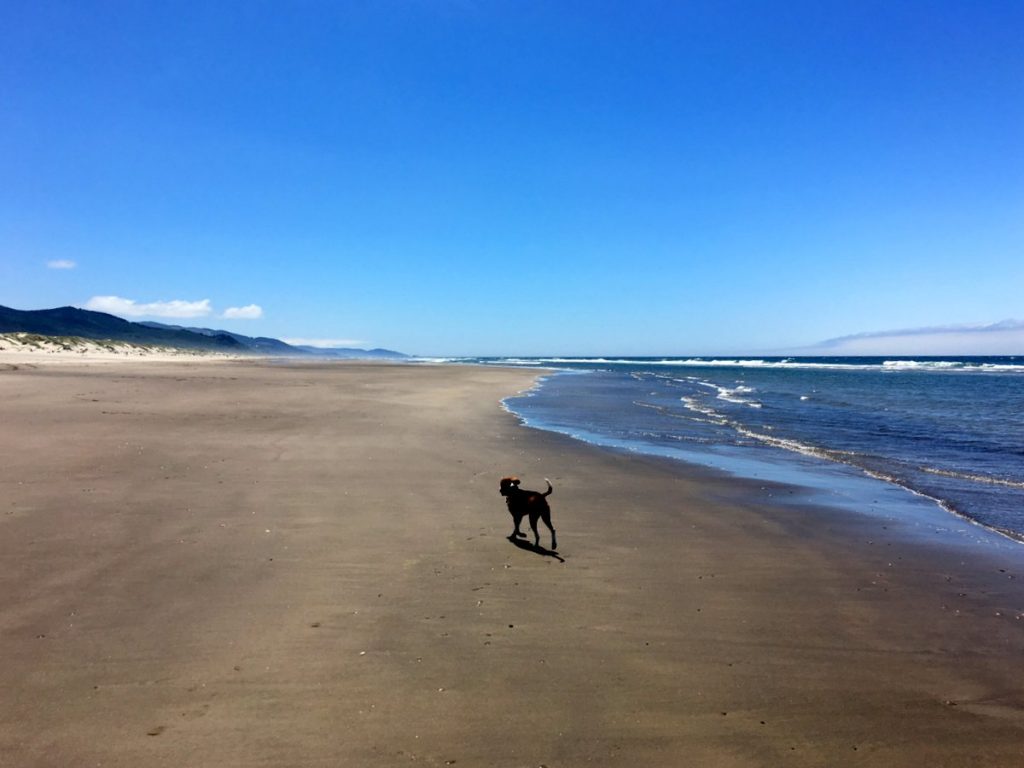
{"type": "Point", "coordinates": [536, 549]}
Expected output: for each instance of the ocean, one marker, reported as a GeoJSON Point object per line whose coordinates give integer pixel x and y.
{"type": "Point", "coordinates": [871, 432]}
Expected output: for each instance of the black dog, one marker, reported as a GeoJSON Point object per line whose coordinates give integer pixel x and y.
{"type": "Point", "coordinates": [527, 503]}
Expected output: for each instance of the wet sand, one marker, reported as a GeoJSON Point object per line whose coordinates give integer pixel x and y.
{"type": "Point", "coordinates": [249, 564]}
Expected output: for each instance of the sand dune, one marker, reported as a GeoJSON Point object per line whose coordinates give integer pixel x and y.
{"type": "Point", "coordinates": [18, 348]}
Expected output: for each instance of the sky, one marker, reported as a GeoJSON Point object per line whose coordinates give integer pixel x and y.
{"type": "Point", "coordinates": [453, 177]}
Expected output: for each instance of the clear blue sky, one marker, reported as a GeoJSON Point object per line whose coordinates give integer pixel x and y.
{"type": "Point", "coordinates": [517, 177]}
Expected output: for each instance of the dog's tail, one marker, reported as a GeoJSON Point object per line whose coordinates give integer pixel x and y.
{"type": "Point", "coordinates": [549, 490]}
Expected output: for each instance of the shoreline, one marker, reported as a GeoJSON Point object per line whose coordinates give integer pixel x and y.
{"type": "Point", "coordinates": [935, 514]}
{"type": "Point", "coordinates": [248, 564]}
{"type": "Point", "coordinates": [815, 471]}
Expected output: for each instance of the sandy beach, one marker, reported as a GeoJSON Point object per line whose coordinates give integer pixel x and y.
{"type": "Point", "coordinates": [239, 563]}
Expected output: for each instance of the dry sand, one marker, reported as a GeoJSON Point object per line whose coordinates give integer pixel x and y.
{"type": "Point", "coordinates": [242, 564]}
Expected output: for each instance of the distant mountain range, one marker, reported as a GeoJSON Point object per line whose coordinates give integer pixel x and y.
{"type": "Point", "coordinates": [70, 321]}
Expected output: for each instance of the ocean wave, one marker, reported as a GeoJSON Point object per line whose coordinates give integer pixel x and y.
{"type": "Point", "coordinates": [987, 479]}
{"type": "Point", "coordinates": [927, 365]}
{"type": "Point", "coordinates": [710, 417]}
{"type": "Point", "coordinates": [515, 361]}
{"type": "Point", "coordinates": [595, 361]}
{"type": "Point", "coordinates": [439, 360]}
{"type": "Point", "coordinates": [951, 365]}
{"type": "Point", "coordinates": [759, 363]}
{"type": "Point", "coordinates": [889, 366]}
{"type": "Point", "coordinates": [701, 383]}
{"type": "Point", "coordinates": [733, 394]}
{"type": "Point", "coordinates": [697, 362]}
{"type": "Point", "coordinates": [795, 446]}
{"type": "Point", "coordinates": [729, 394]}
{"type": "Point", "coordinates": [705, 363]}
{"type": "Point", "coordinates": [692, 404]}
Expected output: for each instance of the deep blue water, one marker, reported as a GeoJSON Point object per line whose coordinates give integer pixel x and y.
{"type": "Point", "coordinates": [949, 429]}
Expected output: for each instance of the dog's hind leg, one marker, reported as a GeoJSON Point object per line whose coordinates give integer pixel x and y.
{"type": "Point", "coordinates": [546, 517]}
{"type": "Point", "coordinates": [533, 525]}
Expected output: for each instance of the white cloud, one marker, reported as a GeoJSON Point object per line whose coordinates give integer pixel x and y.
{"type": "Point", "coordinates": [1003, 338]}
{"type": "Point", "coordinates": [248, 312]}
{"type": "Point", "coordinates": [177, 308]}
{"type": "Point", "coordinates": [61, 264]}
{"type": "Point", "coordinates": [324, 343]}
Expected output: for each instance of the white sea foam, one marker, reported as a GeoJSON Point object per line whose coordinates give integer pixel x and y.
{"type": "Point", "coordinates": [890, 366]}
{"type": "Point", "coordinates": [925, 365]}
{"type": "Point", "coordinates": [951, 365]}
{"type": "Point", "coordinates": [734, 395]}
{"type": "Point", "coordinates": [794, 445]}
{"type": "Point", "coordinates": [973, 477]}
{"type": "Point", "coordinates": [1000, 368]}
{"type": "Point", "coordinates": [692, 404]}
{"type": "Point", "coordinates": [517, 361]}
{"type": "Point", "coordinates": [440, 359]}
{"type": "Point", "coordinates": [758, 363]}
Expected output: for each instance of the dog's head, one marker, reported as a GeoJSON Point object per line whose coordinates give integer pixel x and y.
{"type": "Point", "coordinates": [508, 485]}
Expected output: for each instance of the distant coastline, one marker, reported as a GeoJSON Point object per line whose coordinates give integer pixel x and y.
{"type": "Point", "coordinates": [112, 333]}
